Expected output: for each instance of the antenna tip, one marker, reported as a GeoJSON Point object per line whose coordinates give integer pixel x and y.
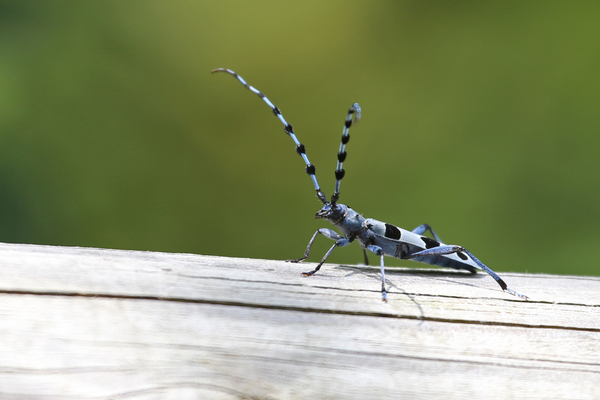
{"type": "Point", "coordinates": [356, 110]}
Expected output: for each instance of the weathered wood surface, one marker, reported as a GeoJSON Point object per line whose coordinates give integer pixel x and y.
{"type": "Point", "coordinates": [79, 323]}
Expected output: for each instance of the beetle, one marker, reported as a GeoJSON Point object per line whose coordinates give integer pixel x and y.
{"type": "Point", "coordinates": [378, 237]}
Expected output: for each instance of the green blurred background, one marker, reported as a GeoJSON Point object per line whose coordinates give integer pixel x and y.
{"type": "Point", "coordinates": [479, 118]}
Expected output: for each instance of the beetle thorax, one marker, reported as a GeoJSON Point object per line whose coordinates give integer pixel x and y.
{"type": "Point", "coordinates": [343, 217]}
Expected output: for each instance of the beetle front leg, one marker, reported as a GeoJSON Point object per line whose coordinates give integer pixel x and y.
{"type": "Point", "coordinates": [323, 231]}
{"type": "Point", "coordinates": [340, 242]}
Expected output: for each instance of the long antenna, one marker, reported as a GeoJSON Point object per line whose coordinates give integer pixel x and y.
{"type": "Point", "coordinates": [310, 169]}
{"type": "Point", "coordinates": [354, 111]}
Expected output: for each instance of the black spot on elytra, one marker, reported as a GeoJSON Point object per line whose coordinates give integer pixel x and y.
{"type": "Point", "coordinates": [429, 243]}
{"type": "Point", "coordinates": [462, 255]}
{"type": "Point", "coordinates": [392, 232]}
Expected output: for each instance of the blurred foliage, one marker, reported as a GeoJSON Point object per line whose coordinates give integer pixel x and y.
{"type": "Point", "coordinates": [479, 118]}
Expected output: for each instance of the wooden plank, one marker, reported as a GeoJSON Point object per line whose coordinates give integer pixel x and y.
{"type": "Point", "coordinates": [81, 323]}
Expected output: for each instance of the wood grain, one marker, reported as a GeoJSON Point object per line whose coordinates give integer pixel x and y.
{"type": "Point", "coordinates": [81, 323]}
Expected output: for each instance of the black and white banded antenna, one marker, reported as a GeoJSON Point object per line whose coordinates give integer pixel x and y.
{"type": "Point", "coordinates": [352, 118]}
{"type": "Point", "coordinates": [310, 169]}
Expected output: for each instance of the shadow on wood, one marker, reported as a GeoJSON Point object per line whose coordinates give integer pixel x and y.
{"type": "Point", "coordinates": [102, 324]}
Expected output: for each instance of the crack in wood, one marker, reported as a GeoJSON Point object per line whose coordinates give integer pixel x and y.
{"type": "Point", "coordinates": [292, 308]}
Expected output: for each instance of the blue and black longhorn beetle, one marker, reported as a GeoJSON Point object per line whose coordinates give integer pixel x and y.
{"type": "Point", "coordinates": [378, 237]}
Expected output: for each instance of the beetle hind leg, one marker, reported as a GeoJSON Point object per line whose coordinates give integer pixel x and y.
{"type": "Point", "coordinates": [450, 249]}
{"type": "Point", "coordinates": [421, 229]}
